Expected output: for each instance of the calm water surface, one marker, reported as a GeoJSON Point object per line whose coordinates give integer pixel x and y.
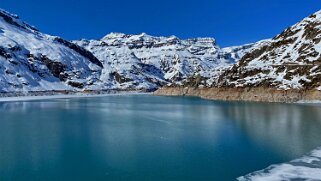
{"type": "Point", "coordinates": [141, 137]}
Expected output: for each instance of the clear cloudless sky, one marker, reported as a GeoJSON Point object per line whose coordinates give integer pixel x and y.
{"type": "Point", "coordinates": [230, 22]}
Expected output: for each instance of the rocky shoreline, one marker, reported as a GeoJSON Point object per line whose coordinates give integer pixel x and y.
{"type": "Point", "coordinates": [255, 94]}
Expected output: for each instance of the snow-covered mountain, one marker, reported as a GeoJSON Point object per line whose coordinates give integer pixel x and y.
{"type": "Point", "coordinates": [34, 61]}
{"type": "Point", "coordinates": [144, 61]}
{"type": "Point", "coordinates": [291, 60]}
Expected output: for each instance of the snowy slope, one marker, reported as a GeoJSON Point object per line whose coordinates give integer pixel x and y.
{"type": "Point", "coordinates": [291, 60]}
{"type": "Point", "coordinates": [31, 60]}
{"type": "Point", "coordinates": [144, 61]}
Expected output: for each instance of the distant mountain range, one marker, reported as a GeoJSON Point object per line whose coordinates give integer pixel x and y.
{"type": "Point", "coordinates": [34, 61]}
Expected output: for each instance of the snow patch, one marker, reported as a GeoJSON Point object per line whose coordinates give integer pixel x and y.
{"type": "Point", "coordinates": [305, 168]}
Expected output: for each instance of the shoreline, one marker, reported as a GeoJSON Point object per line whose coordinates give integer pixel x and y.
{"type": "Point", "coordinates": [47, 95]}
{"type": "Point", "coordinates": [255, 94]}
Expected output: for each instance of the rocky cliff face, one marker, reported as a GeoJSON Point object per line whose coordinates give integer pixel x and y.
{"type": "Point", "coordinates": [291, 60]}
{"type": "Point", "coordinates": [144, 61]}
{"type": "Point", "coordinates": [33, 61]}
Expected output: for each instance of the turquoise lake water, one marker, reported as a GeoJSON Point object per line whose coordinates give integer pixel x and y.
{"type": "Point", "coordinates": [142, 137]}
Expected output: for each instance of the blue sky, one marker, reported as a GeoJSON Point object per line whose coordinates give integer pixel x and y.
{"type": "Point", "coordinates": [230, 22]}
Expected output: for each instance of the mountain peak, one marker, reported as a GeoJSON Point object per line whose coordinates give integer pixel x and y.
{"type": "Point", "coordinates": [114, 35]}
{"type": "Point", "coordinates": [14, 19]}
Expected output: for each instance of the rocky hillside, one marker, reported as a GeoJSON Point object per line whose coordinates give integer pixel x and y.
{"type": "Point", "coordinates": [144, 61]}
{"type": "Point", "coordinates": [291, 60]}
{"type": "Point", "coordinates": [33, 61]}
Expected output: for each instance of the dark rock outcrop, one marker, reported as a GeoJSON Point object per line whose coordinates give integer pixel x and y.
{"type": "Point", "coordinates": [80, 50]}
{"type": "Point", "coordinates": [56, 68]}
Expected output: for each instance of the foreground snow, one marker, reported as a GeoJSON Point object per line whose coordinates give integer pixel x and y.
{"type": "Point", "coordinates": [305, 168]}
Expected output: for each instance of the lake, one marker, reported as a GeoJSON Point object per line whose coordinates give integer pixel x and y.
{"type": "Point", "coordinates": [143, 137]}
